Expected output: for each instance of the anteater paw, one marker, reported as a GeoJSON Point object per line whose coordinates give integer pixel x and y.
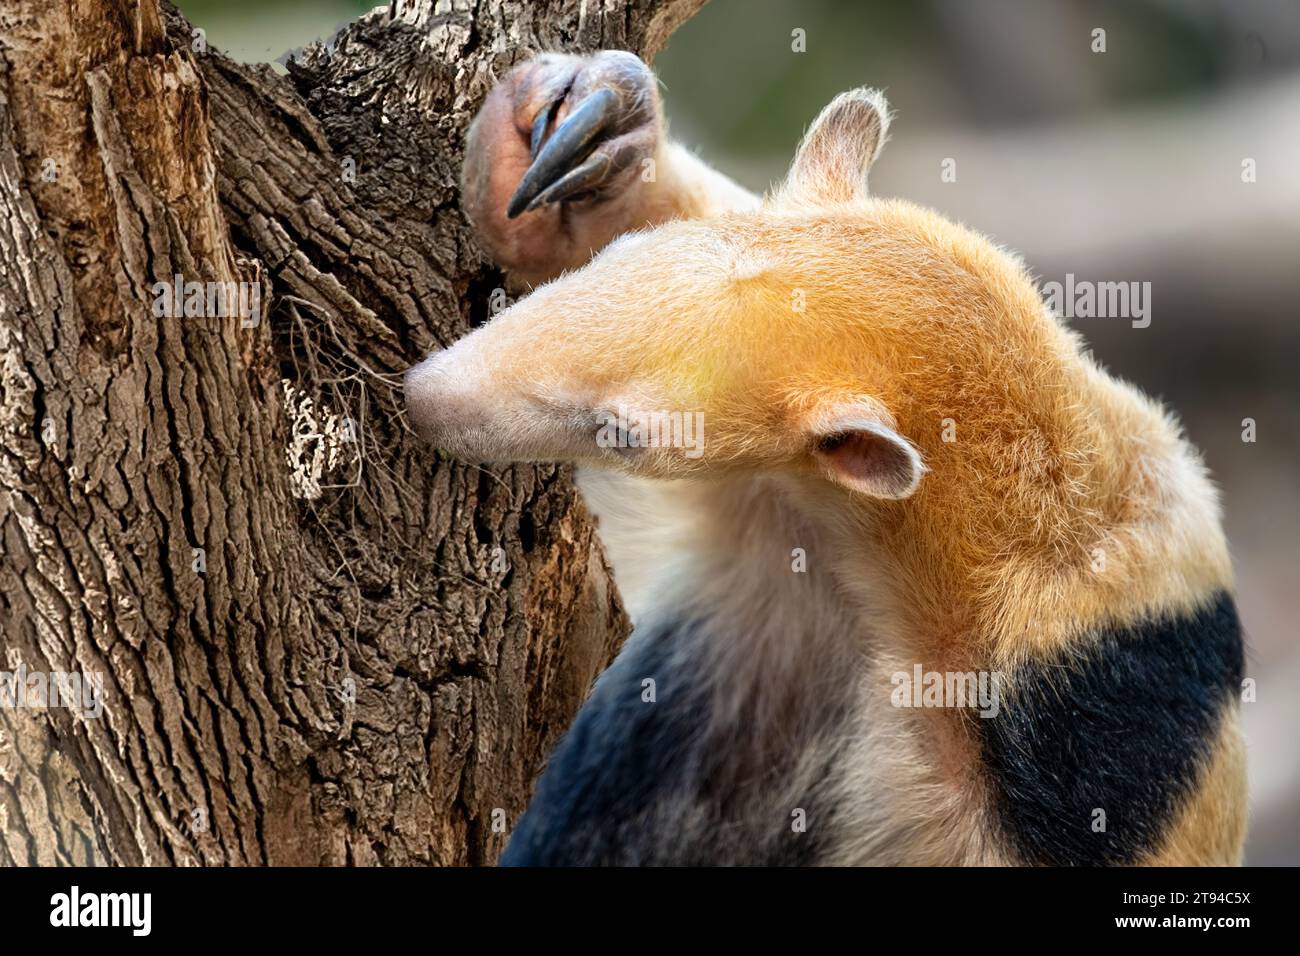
{"type": "Point", "coordinates": [558, 158]}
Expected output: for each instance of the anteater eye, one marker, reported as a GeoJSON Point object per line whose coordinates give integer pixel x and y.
{"type": "Point", "coordinates": [622, 441]}
{"type": "Point", "coordinates": [610, 434]}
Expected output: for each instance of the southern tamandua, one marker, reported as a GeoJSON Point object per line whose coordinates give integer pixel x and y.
{"type": "Point", "coordinates": [913, 480]}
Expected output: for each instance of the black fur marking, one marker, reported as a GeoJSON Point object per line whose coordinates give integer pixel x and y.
{"type": "Point", "coordinates": [1126, 728]}
{"type": "Point", "coordinates": [636, 783]}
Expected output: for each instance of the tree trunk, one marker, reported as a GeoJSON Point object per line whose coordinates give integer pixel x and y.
{"type": "Point", "coordinates": [319, 642]}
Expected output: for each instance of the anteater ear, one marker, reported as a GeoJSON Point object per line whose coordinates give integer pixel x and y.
{"type": "Point", "coordinates": [857, 446]}
{"type": "Point", "coordinates": [838, 150]}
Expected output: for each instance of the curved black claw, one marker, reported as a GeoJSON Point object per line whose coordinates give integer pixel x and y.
{"type": "Point", "coordinates": [551, 175]}
{"type": "Point", "coordinates": [542, 121]}
{"type": "Point", "coordinates": [573, 183]}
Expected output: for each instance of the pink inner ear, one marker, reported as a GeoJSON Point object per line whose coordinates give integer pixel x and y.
{"type": "Point", "coordinates": [880, 464]}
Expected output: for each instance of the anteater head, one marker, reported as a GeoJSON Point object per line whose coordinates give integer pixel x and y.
{"type": "Point", "coordinates": [825, 334]}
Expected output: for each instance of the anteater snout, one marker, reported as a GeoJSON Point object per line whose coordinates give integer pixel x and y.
{"type": "Point", "coordinates": [441, 404]}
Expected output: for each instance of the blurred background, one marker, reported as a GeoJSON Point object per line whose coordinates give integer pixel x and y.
{"type": "Point", "coordinates": [1164, 150]}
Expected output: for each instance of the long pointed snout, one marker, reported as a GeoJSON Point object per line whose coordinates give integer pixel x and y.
{"type": "Point", "coordinates": [471, 402]}
{"type": "Point", "coordinates": [442, 403]}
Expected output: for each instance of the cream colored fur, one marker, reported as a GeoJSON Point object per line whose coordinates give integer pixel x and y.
{"type": "Point", "coordinates": [770, 317]}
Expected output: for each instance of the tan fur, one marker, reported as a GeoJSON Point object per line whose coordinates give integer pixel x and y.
{"type": "Point", "coordinates": [768, 319]}
{"type": "Point", "coordinates": [1211, 827]}
{"type": "Point", "coordinates": [1052, 459]}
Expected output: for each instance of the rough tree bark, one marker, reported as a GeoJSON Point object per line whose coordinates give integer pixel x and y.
{"type": "Point", "coordinates": [319, 643]}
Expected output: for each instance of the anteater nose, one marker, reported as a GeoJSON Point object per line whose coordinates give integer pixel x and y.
{"type": "Point", "coordinates": [421, 404]}
{"type": "Point", "coordinates": [437, 402]}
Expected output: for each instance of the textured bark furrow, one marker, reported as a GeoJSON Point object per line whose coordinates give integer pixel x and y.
{"type": "Point", "coordinates": [366, 675]}
{"type": "Point", "coordinates": [143, 112]}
